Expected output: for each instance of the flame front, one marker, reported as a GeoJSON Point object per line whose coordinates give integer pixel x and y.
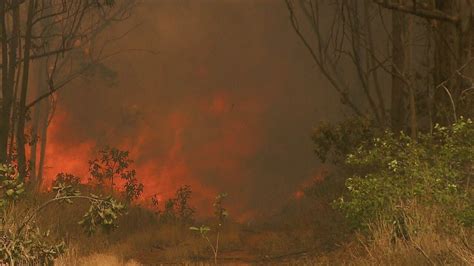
{"type": "Point", "coordinates": [206, 145]}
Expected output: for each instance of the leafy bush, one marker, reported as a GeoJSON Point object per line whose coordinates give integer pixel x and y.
{"type": "Point", "coordinates": [22, 241]}
{"type": "Point", "coordinates": [11, 186]}
{"type": "Point", "coordinates": [66, 178]}
{"type": "Point", "coordinates": [114, 164]}
{"type": "Point", "coordinates": [177, 209]}
{"type": "Point", "coordinates": [334, 142]}
{"type": "Point", "coordinates": [395, 171]}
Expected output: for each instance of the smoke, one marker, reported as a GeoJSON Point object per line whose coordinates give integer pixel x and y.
{"type": "Point", "coordinates": [225, 103]}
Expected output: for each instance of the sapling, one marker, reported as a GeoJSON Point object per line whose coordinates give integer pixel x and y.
{"type": "Point", "coordinates": [221, 214]}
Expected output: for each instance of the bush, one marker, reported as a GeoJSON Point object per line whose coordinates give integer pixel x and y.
{"type": "Point", "coordinates": [334, 142]}
{"type": "Point", "coordinates": [395, 171]}
{"type": "Point", "coordinates": [111, 165]}
{"type": "Point", "coordinates": [66, 178]}
{"type": "Point", "coordinates": [177, 209]}
{"type": "Point", "coordinates": [22, 241]}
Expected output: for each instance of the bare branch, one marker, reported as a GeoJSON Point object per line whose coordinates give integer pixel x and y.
{"type": "Point", "coordinates": [418, 11]}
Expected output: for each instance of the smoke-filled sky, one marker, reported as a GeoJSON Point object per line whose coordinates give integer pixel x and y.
{"type": "Point", "coordinates": [225, 103]}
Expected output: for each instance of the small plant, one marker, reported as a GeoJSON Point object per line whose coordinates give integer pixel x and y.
{"type": "Point", "coordinates": [177, 209]}
{"type": "Point", "coordinates": [184, 212]}
{"type": "Point", "coordinates": [221, 214]}
{"type": "Point", "coordinates": [11, 188]}
{"type": "Point", "coordinates": [66, 178]}
{"type": "Point", "coordinates": [114, 164]}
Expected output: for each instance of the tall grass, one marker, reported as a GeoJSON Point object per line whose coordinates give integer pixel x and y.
{"type": "Point", "coordinates": [433, 239]}
{"type": "Point", "coordinates": [430, 240]}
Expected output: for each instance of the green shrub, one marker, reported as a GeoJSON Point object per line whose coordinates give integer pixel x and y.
{"type": "Point", "coordinates": [22, 241]}
{"type": "Point", "coordinates": [177, 209]}
{"type": "Point", "coordinates": [395, 171]}
{"type": "Point", "coordinates": [111, 165]}
{"type": "Point", "coordinates": [334, 142]}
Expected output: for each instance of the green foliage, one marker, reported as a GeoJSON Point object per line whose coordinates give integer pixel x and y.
{"type": "Point", "coordinates": [220, 213]}
{"type": "Point", "coordinates": [395, 171]}
{"type": "Point", "coordinates": [65, 191]}
{"type": "Point", "coordinates": [133, 188]}
{"type": "Point", "coordinates": [103, 212]}
{"type": "Point", "coordinates": [66, 178]}
{"type": "Point", "coordinates": [184, 211]}
{"type": "Point", "coordinates": [114, 164]}
{"type": "Point", "coordinates": [203, 229]}
{"type": "Point", "coordinates": [177, 209]}
{"type": "Point", "coordinates": [334, 142]}
{"type": "Point", "coordinates": [29, 248]}
{"type": "Point", "coordinates": [23, 242]}
{"type": "Point", "coordinates": [10, 185]}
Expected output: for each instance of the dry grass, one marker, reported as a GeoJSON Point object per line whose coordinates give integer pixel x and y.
{"type": "Point", "coordinates": [71, 258]}
{"type": "Point", "coordinates": [140, 238]}
{"type": "Point", "coordinates": [434, 240]}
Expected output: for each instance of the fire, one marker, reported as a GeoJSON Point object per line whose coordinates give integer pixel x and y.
{"type": "Point", "coordinates": [219, 105]}
{"type": "Point", "coordinates": [317, 177]}
{"type": "Point", "coordinates": [207, 150]}
{"type": "Point", "coordinates": [64, 156]}
{"type": "Point", "coordinates": [299, 194]}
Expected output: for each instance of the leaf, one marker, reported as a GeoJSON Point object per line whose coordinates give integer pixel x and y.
{"type": "Point", "coordinates": [10, 192]}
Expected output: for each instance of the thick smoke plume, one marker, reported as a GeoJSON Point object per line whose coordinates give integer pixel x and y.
{"type": "Point", "coordinates": [224, 102]}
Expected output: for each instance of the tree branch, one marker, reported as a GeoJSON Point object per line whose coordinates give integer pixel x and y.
{"type": "Point", "coordinates": [417, 11]}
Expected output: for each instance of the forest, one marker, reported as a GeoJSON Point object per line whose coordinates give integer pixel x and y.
{"type": "Point", "coordinates": [225, 132]}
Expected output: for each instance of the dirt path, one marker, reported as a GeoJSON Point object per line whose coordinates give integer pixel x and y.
{"type": "Point", "coordinates": [231, 258]}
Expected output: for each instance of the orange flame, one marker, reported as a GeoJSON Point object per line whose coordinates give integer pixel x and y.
{"type": "Point", "coordinates": [166, 160]}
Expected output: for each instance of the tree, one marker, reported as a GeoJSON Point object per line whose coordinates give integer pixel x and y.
{"type": "Point", "coordinates": [452, 31]}
{"type": "Point", "coordinates": [342, 44]}
{"type": "Point", "coordinates": [358, 38]}
{"type": "Point", "coordinates": [50, 33]}
{"type": "Point", "coordinates": [114, 164]}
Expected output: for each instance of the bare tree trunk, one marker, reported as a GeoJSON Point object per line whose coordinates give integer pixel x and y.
{"type": "Point", "coordinates": [34, 127]}
{"type": "Point", "coordinates": [6, 98]}
{"type": "Point", "coordinates": [44, 138]}
{"type": "Point", "coordinates": [9, 66]}
{"type": "Point", "coordinates": [400, 35]}
{"type": "Point", "coordinates": [24, 89]}
{"type": "Point", "coordinates": [453, 58]}
{"type": "Point", "coordinates": [413, 120]}
{"type": "Point", "coordinates": [33, 146]}
{"type": "Point", "coordinates": [43, 109]}
{"type": "Point", "coordinates": [466, 50]}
